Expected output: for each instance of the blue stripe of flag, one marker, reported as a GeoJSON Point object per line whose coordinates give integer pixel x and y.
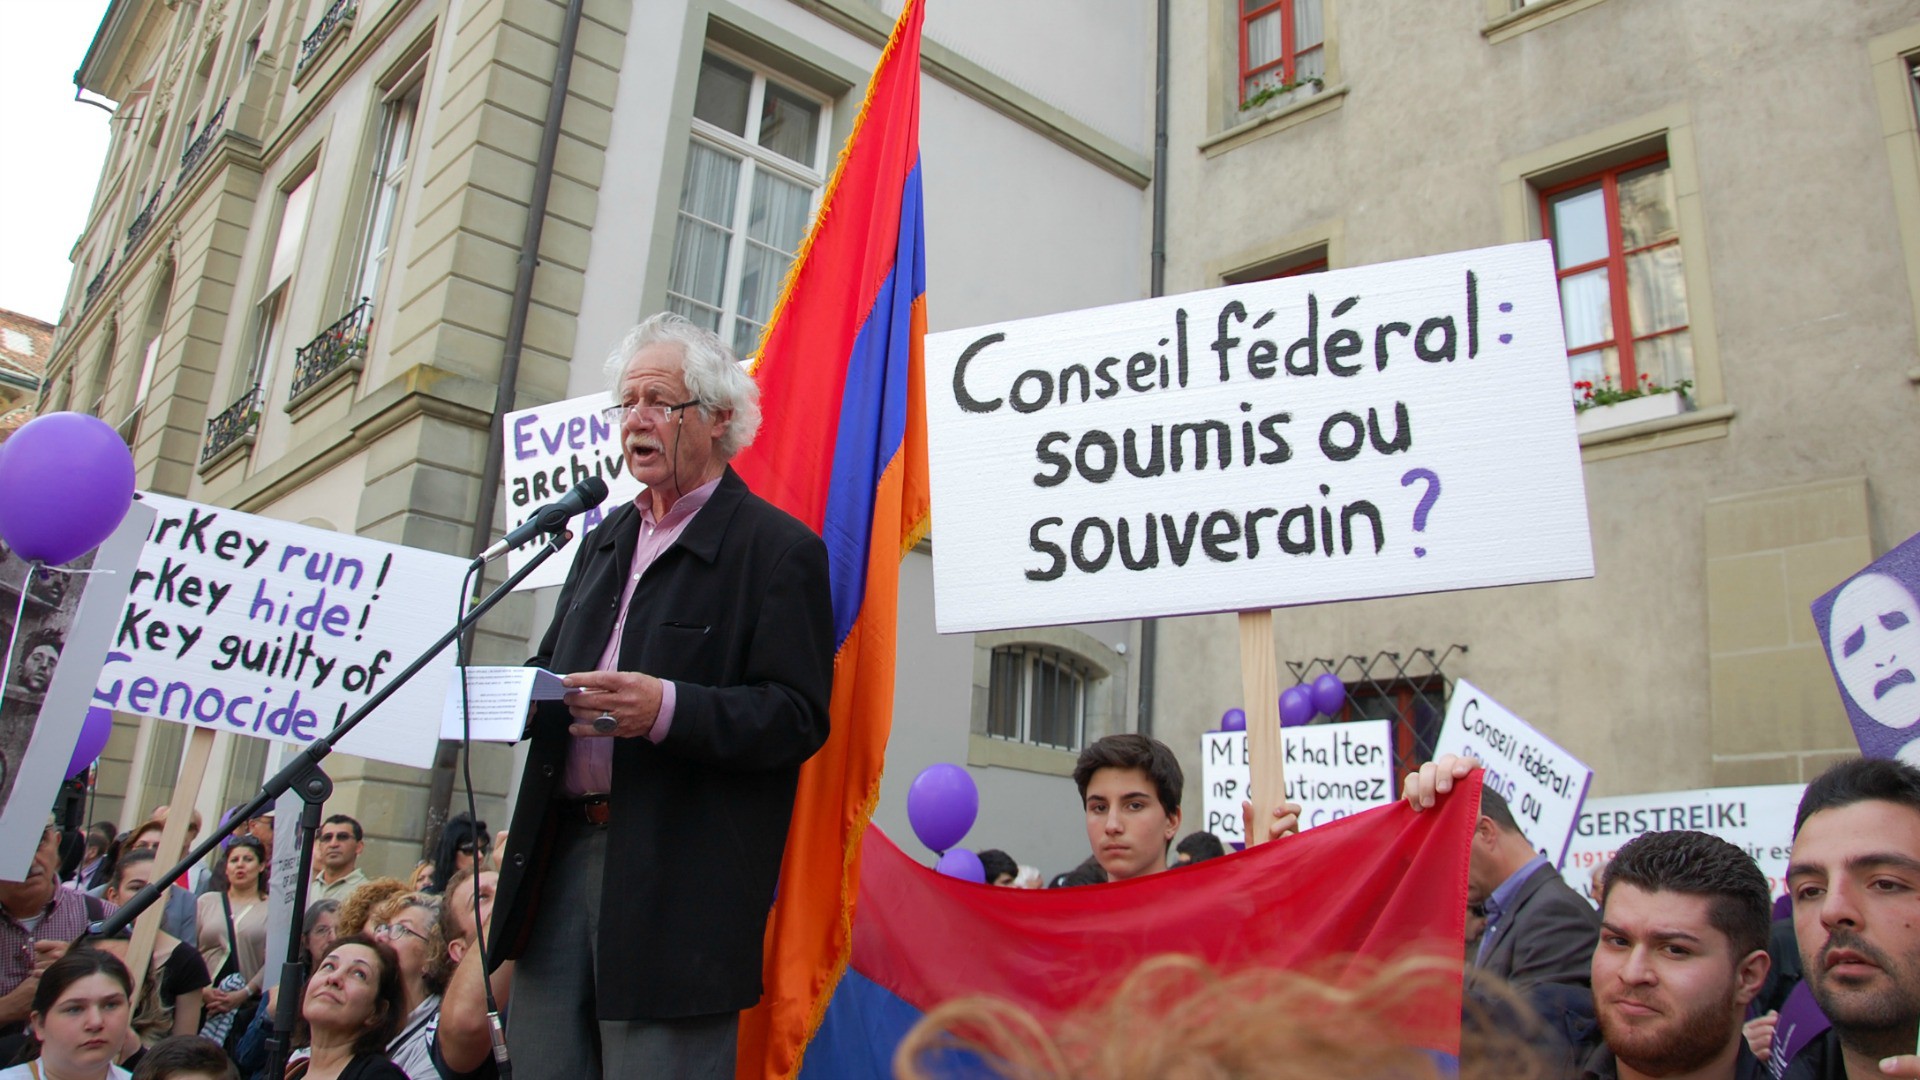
{"type": "Point", "coordinates": [873, 416]}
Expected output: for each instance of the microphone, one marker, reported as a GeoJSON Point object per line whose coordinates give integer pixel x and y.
{"type": "Point", "coordinates": [552, 517]}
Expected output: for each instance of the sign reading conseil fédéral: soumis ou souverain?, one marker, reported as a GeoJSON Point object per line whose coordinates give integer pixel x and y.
{"type": "Point", "coordinates": [1388, 429]}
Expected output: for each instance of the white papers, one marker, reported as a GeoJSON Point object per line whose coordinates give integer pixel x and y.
{"type": "Point", "coordinates": [496, 700]}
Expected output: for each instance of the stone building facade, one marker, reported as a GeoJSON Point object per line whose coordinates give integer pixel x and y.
{"type": "Point", "coordinates": [295, 284]}
{"type": "Point", "coordinates": [1733, 194]}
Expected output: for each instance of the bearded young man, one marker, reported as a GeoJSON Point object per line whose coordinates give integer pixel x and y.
{"type": "Point", "coordinates": [1855, 882]}
{"type": "Point", "coordinates": [1683, 950]}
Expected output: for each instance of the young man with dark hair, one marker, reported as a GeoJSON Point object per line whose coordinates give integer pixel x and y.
{"type": "Point", "coordinates": [1684, 921]}
{"type": "Point", "coordinates": [1130, 789]}
{"type": "Point", "coordinates": [1000, 867]}
{"type": "Point", "coordinates": [1198, 847]}
{"type": "Point", "coordinates": [1855, 882]}
{"type": "Point", "coordinates": [336, 855]}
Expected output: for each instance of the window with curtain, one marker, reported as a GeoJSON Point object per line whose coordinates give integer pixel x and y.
{"type": "Point", "coordinates": [1037, 695]}
{"type": "Point", "coordinates": [755, 167]}
{"type": "Point", "coordinates": [390, 162]}
{"type": "Point", "coordinates": [269, 310]}
{"type": "Point", "coordinates": [1281, 42]}
{"type": "Point", "coordinates": [1623, 289]}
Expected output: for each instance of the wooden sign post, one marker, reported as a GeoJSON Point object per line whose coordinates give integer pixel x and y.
{"type": "Point", "coordinates": [173, 841]}
{"type": "Point", "coordinates": [1260, 684]}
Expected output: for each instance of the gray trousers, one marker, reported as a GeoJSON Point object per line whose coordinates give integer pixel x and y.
{"type": "Point", "coordinates": [551, 1027]}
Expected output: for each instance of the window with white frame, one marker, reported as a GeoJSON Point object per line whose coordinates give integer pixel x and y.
{"type": "Point", "coordinates": [390, 161]}
{"type": "Point", "coordinates": [755, 166]}
{"type": "Point", "coordinates": [1037, 695]}
{"type": "Point", "coordinates": [270, 311]}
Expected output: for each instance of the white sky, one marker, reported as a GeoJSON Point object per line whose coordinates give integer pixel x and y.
{"type": "Point", "coordinates": [51, 146]}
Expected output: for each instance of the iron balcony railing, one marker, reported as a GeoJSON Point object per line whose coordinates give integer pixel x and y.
{"type": "Point", "coordinates": [335, 18]}
{"type": "Point", "coordinates": [236, 421]}
{"type": "Point", "coordinates": [144, 220]}
{"type": "Point", "coordinates": [338, 344]}
{"type": "Point", "coordinates": [99, 281]}
{"type": "Point", "coordinates": [205, 139]}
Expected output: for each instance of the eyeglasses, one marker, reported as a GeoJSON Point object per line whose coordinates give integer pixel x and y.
{"type": "Point", "coordinates": [392, 930]}
{"type": "Point", "coordinates": [653, 414]}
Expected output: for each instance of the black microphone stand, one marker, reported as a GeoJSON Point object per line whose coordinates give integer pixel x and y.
{"type": "Point", "coordinates": [304, 777]}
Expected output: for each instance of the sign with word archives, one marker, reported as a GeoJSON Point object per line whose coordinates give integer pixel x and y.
{"type": "Point", "coordinates": [1384, 430]}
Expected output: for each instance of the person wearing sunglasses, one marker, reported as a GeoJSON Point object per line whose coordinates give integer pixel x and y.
{"type": "Point", "coordinates": [461, 842]}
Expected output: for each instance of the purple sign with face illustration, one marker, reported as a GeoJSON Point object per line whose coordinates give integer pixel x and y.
{"type": "Point", "coordinates": [1871, 627]}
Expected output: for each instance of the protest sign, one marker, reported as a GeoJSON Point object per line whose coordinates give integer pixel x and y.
{"type": "Point", "coordinates": [261, 627]}
{"type": "Point", "coordinates": [1332, 771]}
{"type": "Point", "coordinates": [1757, 820]}
{"type": "Point", "coordinates": [1542, 783]}
{"type": "Point", "coordinates": [57, 623]}
{"type": "Point", "coordinates": [1385, 430]}
{"type": "Point", "coordinates": [550, 448]}
{"type": "Point", "coordinates": [1870, 625]}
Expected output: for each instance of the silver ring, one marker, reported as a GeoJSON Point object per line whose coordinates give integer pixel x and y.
{"type": "Point", "coordinates": [605, 724]}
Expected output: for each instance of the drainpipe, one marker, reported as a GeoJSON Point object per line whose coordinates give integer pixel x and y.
{"type": "Point", "coordinates": [1157, 286]}
{"type": "Point", "coordinates": [440, 793]}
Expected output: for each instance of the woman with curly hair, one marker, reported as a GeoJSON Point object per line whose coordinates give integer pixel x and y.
{"type": "Point", "coordinates": [405, 923]}
{"type": "Point", "coordinates": [1176, 1016]}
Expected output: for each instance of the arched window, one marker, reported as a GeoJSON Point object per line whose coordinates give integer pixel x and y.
{"type": "Point", "coordinates": [1037, 694]}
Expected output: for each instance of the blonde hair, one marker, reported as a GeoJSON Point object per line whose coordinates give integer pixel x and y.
{"type": "Point", "coordinates": [1174, 1016]}
{"type": "Point", "coordinates": [356, 909]}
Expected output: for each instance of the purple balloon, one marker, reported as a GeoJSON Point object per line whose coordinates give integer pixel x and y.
{"type": "Point", "coordinates": [94, 732]}
{"type": "Point", "coordinates": [963, 864]}
{"type": "Point", "coordinates": [66, 480]}
{"type": "Point", "coordinates": [1296, 706]}
{"type": "Point", "coordinates": [1329, 694]}
{"type": "Point", "coordinates": [1234, 720]}
{"type": "Point", "coordinates": [942, 804]}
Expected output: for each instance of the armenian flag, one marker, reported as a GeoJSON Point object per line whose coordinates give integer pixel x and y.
{"type": "Point", "coordinates": [1378, 886]}
{"type": "Point", "coordinates": [843, 448]}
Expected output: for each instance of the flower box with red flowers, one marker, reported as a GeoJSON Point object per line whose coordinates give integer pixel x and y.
{"type": "Point", "coordinates": [1603, 405]}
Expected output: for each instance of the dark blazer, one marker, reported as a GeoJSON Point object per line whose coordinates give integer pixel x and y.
{"type": "Point", "coordinates": [738, 614]}
{"type": "Point", "coordinates": [1547, 937]}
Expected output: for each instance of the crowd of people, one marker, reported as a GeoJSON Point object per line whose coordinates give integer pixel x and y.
{"type": "Point", "coordinates": [697, 632]}
{"type": "Point", "coordinates": [382, 954]}
{"type": "Point", "coordinates": [1676, 974]}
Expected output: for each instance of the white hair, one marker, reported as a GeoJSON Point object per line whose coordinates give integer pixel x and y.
{"type": "Point", "coordinates": [712, 373]}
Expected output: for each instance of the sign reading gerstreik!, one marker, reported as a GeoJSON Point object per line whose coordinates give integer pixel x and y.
{"type": "Point", "coordinates": [1390, 429]}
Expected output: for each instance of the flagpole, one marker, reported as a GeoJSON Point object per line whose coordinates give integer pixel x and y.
{"type": "Point", "coordinates": [1260, 686]}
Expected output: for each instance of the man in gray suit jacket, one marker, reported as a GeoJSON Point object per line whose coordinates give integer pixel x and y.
{"type": "Point", "coordinates": [1538, 929]}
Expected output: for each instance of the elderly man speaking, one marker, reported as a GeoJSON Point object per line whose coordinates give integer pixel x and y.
{"type": "Point", "coordinates": [696, 630]}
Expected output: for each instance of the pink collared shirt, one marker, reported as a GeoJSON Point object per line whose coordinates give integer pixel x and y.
{"type": "Point", "coordinates": [590, 760]}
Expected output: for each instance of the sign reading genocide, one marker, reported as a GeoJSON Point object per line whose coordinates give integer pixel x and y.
{"type": "Point", "coordinates": [1332, 771]}
{"type": "Point", "coordinates": [1390, 429]}
{"type": "Point", "coordinates": [1543, 784]}
{"type": "Point", "coordinates": [266, 628]}
{"type": "Point", "coordinates": [549, 449]}
{"type": "Point", "coordinates": [1757, 820]}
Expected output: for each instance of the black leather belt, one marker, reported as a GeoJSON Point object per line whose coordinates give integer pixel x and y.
{"type": "Point", "coordinates": [595, 810]}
